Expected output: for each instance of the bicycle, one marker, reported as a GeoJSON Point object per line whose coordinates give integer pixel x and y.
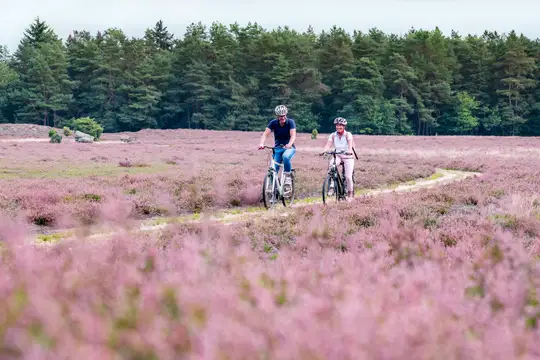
{"type": "Point", "coordinates": [333, 175]}
{"type": "Point", "coordinates": [273, 185]}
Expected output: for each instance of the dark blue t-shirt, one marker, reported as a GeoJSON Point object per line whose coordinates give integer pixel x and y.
{"type": "Point", "coordinates": [282, 134]}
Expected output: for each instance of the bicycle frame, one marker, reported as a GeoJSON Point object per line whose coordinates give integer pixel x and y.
{"type": "Point", "coordinates": [333, 173]}
{"type": "Point", "coordinates": [277, 182]}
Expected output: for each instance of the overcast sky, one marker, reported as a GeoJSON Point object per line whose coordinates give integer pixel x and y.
{"type": "Point", "coordinates": [391, 16]}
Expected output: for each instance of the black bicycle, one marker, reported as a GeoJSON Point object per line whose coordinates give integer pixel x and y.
{"type": "Point", "coordinates": [336, 178]}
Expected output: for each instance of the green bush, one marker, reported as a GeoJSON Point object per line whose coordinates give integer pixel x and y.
{"type": "Point", "coordinates": [87, 125]}
{"type": "Point", "coordinates": [67, 132]}
{"type": "Point", "coordinates": [314, 134]}
{"type": "Point", "coordinates": [54, 137]}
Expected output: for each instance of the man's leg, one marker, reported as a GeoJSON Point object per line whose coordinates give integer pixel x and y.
{"type": "Point", "coordinates": [287, 167]}
{"type": "Point", "coordinates": [278, 154]}
{"type": "Point", "coordinates": [287, 156]}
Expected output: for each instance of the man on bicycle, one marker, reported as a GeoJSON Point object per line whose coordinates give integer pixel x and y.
{"type": "Point", "coordinates": [343, 141]}
{"type": "Point", "coordinates": [284, 129]}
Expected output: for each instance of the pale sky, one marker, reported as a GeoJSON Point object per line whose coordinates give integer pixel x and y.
{"type": "Point", "coordinates": [390, 16]}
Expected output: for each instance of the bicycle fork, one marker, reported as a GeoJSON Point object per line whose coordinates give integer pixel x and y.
{"type": "Point", "coordinates": [272, 189]}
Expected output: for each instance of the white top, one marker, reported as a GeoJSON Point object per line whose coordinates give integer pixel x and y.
{"type": "Point", "coordinates": [340, 143]}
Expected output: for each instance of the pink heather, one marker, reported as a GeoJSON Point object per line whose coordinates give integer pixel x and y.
{"type": "Point", "coordinates": [450, 272]}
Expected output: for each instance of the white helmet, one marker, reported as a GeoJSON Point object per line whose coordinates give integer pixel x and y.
{"type": "Point", "coordinates": [340, 120]}
{"type": "Point", "coordinates": [281, 110]}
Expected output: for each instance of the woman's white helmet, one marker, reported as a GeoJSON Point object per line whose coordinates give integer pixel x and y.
{"type": "Point", "coordinates": [281, 110]}
{"type": "Point", "coordinates": [340, 120]}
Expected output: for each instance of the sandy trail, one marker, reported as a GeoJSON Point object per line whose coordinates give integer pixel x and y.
{"type": "Point", "coordinates": [444, 177]}
{"type": "Point", "coordinates": [63, 140]}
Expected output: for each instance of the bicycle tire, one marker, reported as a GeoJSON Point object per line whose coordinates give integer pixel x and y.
{"type": "Point", "coordinates": [291, 198]}
{"type": "Point", "coordinates": [268, 204]}
{"type": "Point", "coordinates": [329, 178]}
{"type": "Point", "coordinates": [340, 194]}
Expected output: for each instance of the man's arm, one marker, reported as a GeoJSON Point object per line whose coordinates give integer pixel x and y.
{"type": "Point", "coordinates": [263, 138]}
{"type": "Point", "coordinates": [292, 132]}
{"type": "Point", "coordinates": [293, 137]}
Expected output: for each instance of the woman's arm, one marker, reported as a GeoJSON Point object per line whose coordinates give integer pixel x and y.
{"type": "Point", "coordinates": [328, 143]}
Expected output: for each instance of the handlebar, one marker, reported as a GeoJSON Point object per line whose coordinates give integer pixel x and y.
{"type": "Point", "coordinates": [335, 153]}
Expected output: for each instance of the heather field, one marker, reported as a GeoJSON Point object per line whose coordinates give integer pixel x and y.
{"type": "Point", "coordinates": [449, 272]}
{"type": "Point", "coordinates": [162, 173]}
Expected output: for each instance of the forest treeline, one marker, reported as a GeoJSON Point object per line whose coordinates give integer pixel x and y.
{"type": "Point", "coordinates": [231, 78]}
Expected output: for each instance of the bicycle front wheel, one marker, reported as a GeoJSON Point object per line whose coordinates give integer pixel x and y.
{"type": "Point", "coordinates": [327, 195]}
{"type": "Point", "coordinates": [269, 191]}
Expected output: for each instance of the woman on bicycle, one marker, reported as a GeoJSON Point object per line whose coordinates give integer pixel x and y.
{"type": "Point", "coordinates": [342, 140]}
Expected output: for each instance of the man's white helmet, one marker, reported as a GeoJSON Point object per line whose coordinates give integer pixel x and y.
{"type": "Point", "coordinates": [281, 110]}
{"type": "Point", "coordinates": [340, 120]}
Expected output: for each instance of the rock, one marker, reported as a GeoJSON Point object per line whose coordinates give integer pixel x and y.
{"type": "Point", "coordinates": [126, 139]}
{"type": "Point", "coordinates": [83, 137]}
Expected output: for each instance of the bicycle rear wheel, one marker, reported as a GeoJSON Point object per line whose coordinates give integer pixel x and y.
{"type": "Point", "coordinates": [288, 201]}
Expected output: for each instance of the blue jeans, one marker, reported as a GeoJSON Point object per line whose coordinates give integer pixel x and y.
{"type": "Point", "coordinates": [286, 155]}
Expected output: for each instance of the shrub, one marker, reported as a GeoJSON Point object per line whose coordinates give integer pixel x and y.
{"type": "Point", "coordinates": [87, 125]}
{"type": "Point", "coordinates": [54, 137]}
{"type": "Point", "coordinates": [314, 134]}
{"type": "Point", "coordinates": [67, 132]}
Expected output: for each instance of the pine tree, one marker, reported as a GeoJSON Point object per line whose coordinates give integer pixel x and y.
{"type": "Point", "coordinates": [140, 95]}
{"type": "Point", "coordinates": [110, 78]}
{"type": "Point", "coordinates": [336, 63]}
{"type": "Point", "coordinates": [194, 47]}
{"type": "Point", "coordinates": [7, 77]}
{"type": "Point", "coordinates": [159, 37]}
{"type": "Point", "coordinates": [401, 91]}
{"type": "Point", "coordinates": [198, 91]}
{"type": "Point", "coordinates": [516, 74]}
{"type": "Point", "coordinates": [85, 69]}
{"type": "Point", "coordinates": [43, 89]}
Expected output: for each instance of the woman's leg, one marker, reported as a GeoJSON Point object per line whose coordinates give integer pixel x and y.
{"type": "Point", "coordinates": [349, 167]}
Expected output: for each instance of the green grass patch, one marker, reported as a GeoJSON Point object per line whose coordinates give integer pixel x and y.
{"type": "Point", "coordinates": [507, 221]}
{"type": "Point", "coordinates": [238, 211]}
{"type": "Point", "coordinates": [85, 197]}
{"type": "Point", "coordinates": [393, 186]}
{"type": "Point", "coordinates": [435, 176]}
{"type": "Point", "coordinates": [308, 200]}
{"type": "Point", "coordinates": [361, 191]}
{"type": "Point", "coordinates": [172, 219]}
{"type": "Point", "coordinates": [79, 171]}
{"type": "Point", "coordinates": [54, 238]}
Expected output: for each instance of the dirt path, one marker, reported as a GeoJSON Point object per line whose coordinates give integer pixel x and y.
{"type": "Point", "coordinates": [227, 217]}
{"type": "Point", "coordinates": [64, 140]}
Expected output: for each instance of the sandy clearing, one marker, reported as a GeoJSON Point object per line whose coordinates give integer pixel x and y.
{"type": "Point", "coordinates": [25, 140]}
